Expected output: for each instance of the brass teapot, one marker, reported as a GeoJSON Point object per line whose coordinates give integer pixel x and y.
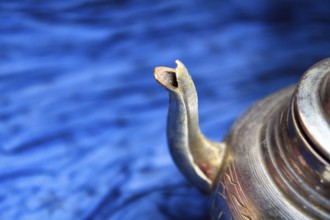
{"type": "Point", "coordinates": [275, 161]}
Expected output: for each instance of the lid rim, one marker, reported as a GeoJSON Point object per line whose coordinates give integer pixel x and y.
{"type": "Point", "coordinates": [311, 102]}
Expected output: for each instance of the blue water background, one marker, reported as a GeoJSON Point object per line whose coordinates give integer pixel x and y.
{"type": "Point", "coordinates": [82, 132]}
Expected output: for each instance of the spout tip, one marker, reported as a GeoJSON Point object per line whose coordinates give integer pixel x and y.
{"type": "Point", "coordinates": [179, 63]}
{"type": "Point", "coordinates": [180, 67]}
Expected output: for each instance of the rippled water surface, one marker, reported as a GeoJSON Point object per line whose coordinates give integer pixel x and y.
{"type": "Point", "coordinates": [82, 132]}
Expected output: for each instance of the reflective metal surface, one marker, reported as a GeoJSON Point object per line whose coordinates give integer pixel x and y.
{"type": "Point", "coordinates": [276, 163]}
{"type": "Point", "coordinates": [312, 106]}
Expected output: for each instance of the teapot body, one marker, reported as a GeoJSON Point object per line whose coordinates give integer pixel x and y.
{"type": "Point", "coordinates": [267, 174]}
{"type": "Point", "coordinates": [275, 161]}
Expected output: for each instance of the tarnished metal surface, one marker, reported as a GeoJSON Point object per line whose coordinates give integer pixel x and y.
{"type": "Point", "coordinates": [274, 167]}
{"type": "Point", "coordinates": [312, 107]}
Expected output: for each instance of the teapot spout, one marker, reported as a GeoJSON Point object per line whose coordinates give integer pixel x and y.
{"type": "Point", "coordinates": [198, 158]}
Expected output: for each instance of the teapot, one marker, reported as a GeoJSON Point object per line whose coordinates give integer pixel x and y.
{"type": "Point", "coordinates": [275, 161]}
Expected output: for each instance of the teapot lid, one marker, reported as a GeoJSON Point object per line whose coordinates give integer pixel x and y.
{"type": "Point", "coordinates": [312, 106]}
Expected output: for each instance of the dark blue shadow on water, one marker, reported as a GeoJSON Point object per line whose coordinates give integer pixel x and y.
{"type": "Point", "coordinates": [82, 121]}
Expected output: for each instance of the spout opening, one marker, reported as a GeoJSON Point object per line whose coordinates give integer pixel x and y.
{"type": "Point", "coordinates": [166, 77]}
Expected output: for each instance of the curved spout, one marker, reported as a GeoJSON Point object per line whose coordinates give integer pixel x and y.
{"type": "Point", "coordinates": [198, 158]}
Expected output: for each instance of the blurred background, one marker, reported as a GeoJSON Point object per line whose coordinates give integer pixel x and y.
{"type": "Point", "coordinates": [82, 120]}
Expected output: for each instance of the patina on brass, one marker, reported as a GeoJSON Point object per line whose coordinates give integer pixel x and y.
{"type": "Point", "coordinates": [275, 161]}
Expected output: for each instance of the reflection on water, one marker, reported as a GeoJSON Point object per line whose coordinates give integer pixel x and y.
{"type": "Point", "coordinates": [82, 119]}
